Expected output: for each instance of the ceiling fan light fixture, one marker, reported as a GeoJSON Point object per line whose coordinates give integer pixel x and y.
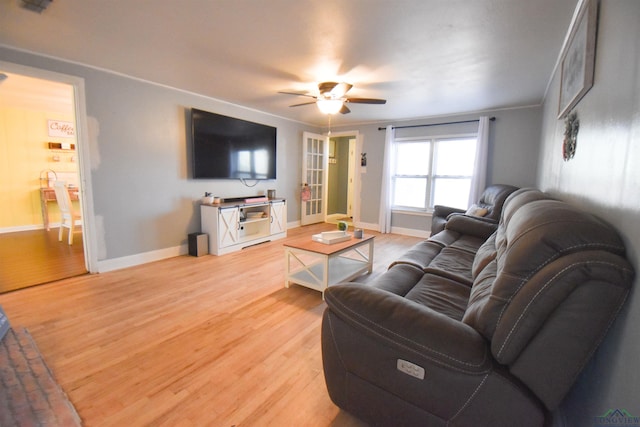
{"type": "Point", "coordinates": [330, 106]}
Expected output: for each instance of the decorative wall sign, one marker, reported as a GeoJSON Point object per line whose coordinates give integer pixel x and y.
{"type": "Point", "coordinates": [578, 59]}
{"type": "Point", "coordinates": [61, 129]}
{"type": "Point", "coordinates": [571, 127]}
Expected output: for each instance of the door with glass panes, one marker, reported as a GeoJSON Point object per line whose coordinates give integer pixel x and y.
{"type": "Point", "coordinates": [315, 153]}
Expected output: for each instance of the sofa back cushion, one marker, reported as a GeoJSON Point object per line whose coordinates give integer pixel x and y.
{"type": "Point", "coordinates": [493, 198]}
{"type": "Point", "coordinates": [528, 240]}
{"type": "Point", "coordinates": [485, 254]}
{"type": "Point", "coordinates": [557, 281]}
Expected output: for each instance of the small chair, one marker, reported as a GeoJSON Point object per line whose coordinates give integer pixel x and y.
{"type": "Point", "coordinates": [67, 214]}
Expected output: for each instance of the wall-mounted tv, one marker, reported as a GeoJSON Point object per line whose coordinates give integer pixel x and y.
{"type": "Point", "coordinates": [229, 148]}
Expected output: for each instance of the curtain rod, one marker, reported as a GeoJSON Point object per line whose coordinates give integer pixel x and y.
{"type": "Point", "coordinates": [438, 124]}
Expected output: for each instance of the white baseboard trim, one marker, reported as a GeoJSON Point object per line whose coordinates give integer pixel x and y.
{"type": "Point", "coordinates": [143, 258]}
{"type": "Point", "coordinates": [152, 256]}
{"type": "Point", "coordinates": [19, 228]}
{"type": "Point", "coordinates": [367, 226]}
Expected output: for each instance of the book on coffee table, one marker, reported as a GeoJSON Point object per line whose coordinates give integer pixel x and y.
{"type": "Point", "coordinates": [329, 237]}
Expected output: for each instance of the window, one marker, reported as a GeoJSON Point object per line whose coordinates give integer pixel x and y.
{"type": "Point", "coordinates": [435, 171]}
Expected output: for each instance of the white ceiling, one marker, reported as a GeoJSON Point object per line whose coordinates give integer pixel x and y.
{"type": "Point", "coordinates": [426, 57]}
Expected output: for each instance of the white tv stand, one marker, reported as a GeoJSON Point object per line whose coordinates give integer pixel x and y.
{"type": "Point", "coordinates": [235, 225]}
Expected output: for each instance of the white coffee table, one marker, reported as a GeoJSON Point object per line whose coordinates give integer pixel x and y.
{"type": "Point", "coordinates": [318, 266]}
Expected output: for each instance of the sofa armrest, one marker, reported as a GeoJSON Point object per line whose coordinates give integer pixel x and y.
{"type": "Point", "coordinates": [445, 211]}
{"type": "Point", "coordinates": [472, 225]}
{"type": "Point", "coordinates": [410, 326]}
{"type": "Point", "coordinates": [440, 215]}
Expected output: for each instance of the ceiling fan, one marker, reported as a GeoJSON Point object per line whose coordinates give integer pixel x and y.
{"type": "Point", "coordinates": [331, 98]}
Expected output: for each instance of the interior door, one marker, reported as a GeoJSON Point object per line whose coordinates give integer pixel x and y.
{"type": "Point", "coordinates": [315, 162]}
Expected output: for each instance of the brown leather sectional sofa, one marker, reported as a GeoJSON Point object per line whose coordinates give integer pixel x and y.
{"type": "Point", "coordinates": [474, 327]}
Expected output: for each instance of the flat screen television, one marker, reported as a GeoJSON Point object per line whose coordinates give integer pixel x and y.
{"type": "Point", "coordinates": [229, 148]}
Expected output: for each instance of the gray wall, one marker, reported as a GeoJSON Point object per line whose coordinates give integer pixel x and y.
{"type": "Point", "coordinates": [144, 198]}
{"type": "Point", "coordinates": [338, 178]}
{"type": "Point", "coordinates": [604, 178]}
{"type": "Point", "coordinates": [513, 150]}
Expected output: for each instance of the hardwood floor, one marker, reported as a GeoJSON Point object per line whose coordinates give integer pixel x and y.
{"type": "Point", "coordinates": [29, 258]}
{"type": "Point", "coordinates": [190, 341]}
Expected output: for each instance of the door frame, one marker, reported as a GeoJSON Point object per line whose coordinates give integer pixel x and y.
{"type": "Point", "coordinates": [84, 155]}
{"type": "Point", "coordinates": [357, 171]}
{"type": "Point", "coordinates": [351, 176]}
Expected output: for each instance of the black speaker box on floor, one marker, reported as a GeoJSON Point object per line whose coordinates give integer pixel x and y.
{"type": "Point", "coordinates": [198, 244]}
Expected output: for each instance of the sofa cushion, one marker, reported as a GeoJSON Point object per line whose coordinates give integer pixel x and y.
{"type": "Point", "coordinates": [420, 255]}
{"type": "Point", "coordinates": [538, 233]}
{"type": "Point", "coordinates": [445, 237]}
{"type": "Point", "coordinates": [514, 202]}
{"type": "Point", "coordinates": [454, 264]}
{"type": "Point", "coordinates": [468, 243]}
{"type": "Point", "coordinates": [485, 254]}
{"type": "Point", "coordinates": [399, 279]}
{"type": "Point", "coordinates": [441, 294]}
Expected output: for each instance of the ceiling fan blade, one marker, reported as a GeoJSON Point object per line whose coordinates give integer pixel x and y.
{"type": "Point", "coordinates": [340, 90]}
{"type": "Point", "coordinates": [304, 103]}
{"type": "Point", "coordinates": [297, 94]}
{"type": "Point", "coordinates": [326, 87]}
{"type": "Point", "coordinates": [344, 109]}
{"type": "Point", "coordinates": [366, 100]}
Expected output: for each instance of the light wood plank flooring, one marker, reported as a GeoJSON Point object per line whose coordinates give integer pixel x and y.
{"type": "Point", "coordinates": [29, 258]}
{"type": "Point", "coordinates": [208, 341]}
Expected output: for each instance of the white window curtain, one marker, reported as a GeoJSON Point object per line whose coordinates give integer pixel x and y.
{"type": "Point", "coordinates": [384, 220]}
{"type": "Point", "coordinates": [479, 179]}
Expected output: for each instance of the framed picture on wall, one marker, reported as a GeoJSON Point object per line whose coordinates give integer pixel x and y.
{"type": "Point", "coordinates": [578, 59]}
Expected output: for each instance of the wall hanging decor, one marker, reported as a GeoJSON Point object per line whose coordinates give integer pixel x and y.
{"type": "Point", "coordinates": [61, 129]}
{"type": "Point", "coordinates": [571, 127]}
{"type": "Point", "coordinates": [305, 193]}
{"type": "Point", "coordinates": [578, 59]}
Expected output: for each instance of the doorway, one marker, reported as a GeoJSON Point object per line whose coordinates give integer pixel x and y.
{"type": "Point", "coordinates": [39, 140]}
{"type": "Point", "coordinates": [341, 187]}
